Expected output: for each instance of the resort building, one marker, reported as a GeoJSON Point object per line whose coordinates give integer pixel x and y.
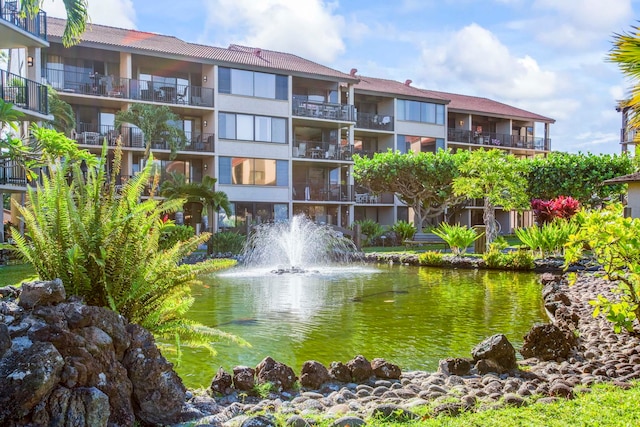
{"type": "Point", "coordinates": [26, 37]}
{"type": "Point", "coordinates": [277, 131]}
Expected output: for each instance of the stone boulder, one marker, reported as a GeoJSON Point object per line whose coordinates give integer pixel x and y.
{"type": "Point", "coordinates": [244, 378]}
{"type": "Point", "coordinates": [339, 372]}
{"type": "Point", "coordinates": [498, 350]}
{"type": "Point", "coordinates": [548, 342]}
{"type": "Point", "coordinates": [276, 373]}
{"type": "Point", "coordinates": [385, 370]}
{"type": "Point", "coordinates": [222, 382]}
{"type": "Point", "coordinates": [313, 374]}
{"type": "Point", "coordinates": [455, 366]}
{"type": "Point", "coordinates": [65, 363]}
{"type": "Point", "coordinates": [360, 369]}
{"type": "Point", "coordinates": [42, 293]}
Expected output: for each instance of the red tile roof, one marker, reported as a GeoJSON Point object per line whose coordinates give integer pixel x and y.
{"type": "Point", "coordinates": [392, 87]}
{"type": "Point", "coordinates": [158, 43]}
{"type": "Point", "coordinates": [474, 104]}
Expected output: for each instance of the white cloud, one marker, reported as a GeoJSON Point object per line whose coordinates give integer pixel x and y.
{"type": "Point", "coordinates": [308, 28]}
{"type": "Point", "coordinates": [116, 13]}
{"type": "Point", "coordinates": [477, 57]}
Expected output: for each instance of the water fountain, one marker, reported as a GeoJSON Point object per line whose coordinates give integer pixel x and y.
{"type": "Point", "coordinates": [298, 246]}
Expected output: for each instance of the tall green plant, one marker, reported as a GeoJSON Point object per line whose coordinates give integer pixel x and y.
{"type": "Point", "coordinates": [371, 229]}
{"type": "Point", "coordinates": [615, 242]}
{"type": "Point", "coordinates": [548, 239]}
{"type": "Point", "coordinates": [458, 237]}
{"type": "Point", "coordinates": [103, 242]}
{"type": "Point", "coordinates": [404, 230]}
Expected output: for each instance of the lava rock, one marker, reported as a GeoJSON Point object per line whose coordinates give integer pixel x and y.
{"type": "Point", "coordinates": [222, 382]}
{"type": "Point", "coordinates": [498, 350]}
{"type": "Point", "coordinates": [548, 342]}
{"type": "Point", "coordinates": [339, 372]}
{"type": "Point", "coordinates": [383, 369]}
{"type": "Point", "coordinates": [244, 378]}
{"type": "Point", "coordinates": [313, 374]}
{"type": "Point", "coordinates": [455, 366]}
{"type": "Point", "coordinates": [360, 368]}
{"type": "Point", "coordinates": [42, 293]}
{"type": "Point", "coordinates": [279, 374]}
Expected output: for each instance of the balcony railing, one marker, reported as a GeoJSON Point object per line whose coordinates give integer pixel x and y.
{"type": "Point", "coordinates": [67, 81]}
{"type": "Point", "coordinates": [367, 198]}
{"type": "Point", "coordinates": [374, 121]}
{"type": "Point", "coordinates": [322, 110]}
{"type": "Point", "coordinates": [627, 135]}
{"type": "Point", "coordinates": [89, 134]}
{"type": "Point", "coordinates": [321, 150]}
{"type": "Point", "coordinates": [24, 93]}
{"type": "Point", "coordinates": [36, 25]}
{"type": "Point", "coordinates": [322, 192]}
{"type": "Point", "coordinates": [495, 140]}
{"type": "Point", "coordinates": [11, 173]}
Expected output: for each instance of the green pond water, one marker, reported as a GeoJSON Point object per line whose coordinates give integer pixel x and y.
{"type": "Point", "coordinates": [411, 316]}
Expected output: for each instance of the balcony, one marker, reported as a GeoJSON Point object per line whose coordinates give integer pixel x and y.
{"type": "Point", "coordinates": [302, 107]}
{"type": "Point", "coordinates": [89, 134]}
{"type": "Point", "coordinates": [628, 136]}
{"type": "Point", "coordinates": [321, 150]}
{"type": "Point", "coordinates": [498, 140]}
{"type": "Point", "coordinates": [307, 191]}
{"type": "Point", "coordinates": [94, 84]}
{"type": "Point", "coordinates": [11, 173]}
{"type": "Point", "coordinates": [374, 121]}
{"type": "Point", "coordinates": [24, 93]}
{"type": "Point", "coordinates": [367, 198]}
{"type": "Point", "coordinates": [33, 29]}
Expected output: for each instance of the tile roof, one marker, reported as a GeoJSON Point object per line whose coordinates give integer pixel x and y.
{"type": "Point", "coordinates": [634, 177]}
{"type": "Point", "coordinates": [158, 43]}
{"type": "Point", "coordinates": [393, 87]}
{"type": "Point", "coordinates": [484, 105]}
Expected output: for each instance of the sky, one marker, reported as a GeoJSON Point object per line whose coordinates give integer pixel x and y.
{"type": "Point", "coordinates": [545, 56]}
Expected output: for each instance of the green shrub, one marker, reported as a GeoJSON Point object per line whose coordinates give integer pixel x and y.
{"type": "Point", "coordinates": [431, 258]}
{"type": "Point", "coordinates": [102, 241]}
{"type": "Point", "coordinates": [458, 237]}
{"type": "Point", "coordinates": [227, 242]}
{"type": "Point", "coordinates": [170, 234]}
{"type": "Point", "coordinates": [516, 260]}
{"type": "Point", "coordinates": [404, 230]}
{"type": "Point", "coordinates": [371, 229]}
{"type": "Point", "coordinates": [548, 239]}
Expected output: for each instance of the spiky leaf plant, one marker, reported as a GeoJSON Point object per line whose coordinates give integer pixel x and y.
{"type": "Point", "coordinates": [102, 239]}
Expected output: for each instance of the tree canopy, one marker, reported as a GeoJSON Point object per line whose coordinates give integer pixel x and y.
{"type": "Point", "coordinates": [496, 177]}
{"type": "Point", "coordinates": [626, 54]}
{"type": "Point", "coordinates": [577, 175]}
{"type": "Point", "coordinates": [77, 16]}
{"type": "Point", "coordinates": [423, 181]}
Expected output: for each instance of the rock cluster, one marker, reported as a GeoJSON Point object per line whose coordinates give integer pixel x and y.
{"type": "Point", "coordinates": [64, 363]}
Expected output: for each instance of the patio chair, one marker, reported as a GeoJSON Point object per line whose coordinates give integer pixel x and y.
{"type": "Point", "coordinates": [302, 149]}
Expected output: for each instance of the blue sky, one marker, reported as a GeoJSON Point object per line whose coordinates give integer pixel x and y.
{"type": "Point", "coordinates": [546, 56]}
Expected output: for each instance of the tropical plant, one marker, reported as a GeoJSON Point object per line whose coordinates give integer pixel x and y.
{"type": "Point", "coordinates": [497, 178]}
{"type": "Point", "coordinates": [546, 177]}
{"type": "Point", "coordinates": [64, 119]}
{"type": "Point", "coordinates": [155, 123]}
{"type": "Point", "coordinates": [227, 242]}
{"type": "Point", "coordinates": [458, 237]}
{"type": "Point", "coordinates": [404, 230]}
{"type": "Point", "coordinates": [423, 181]}
{"type": "Point", "coordinates": [431, 258]}
{"type": "Point", "coordinates": [625, 53]}
{"type": "Point", "coordinates": [548, 239]}
{"type": "Point", "coordinates": [615, 243]}
{"type": "Point", "coordinates": [103, 242]}
{"type": "Point", "coordinates": [77, 17]}
{"type": "Point", "coordinates": [545, 211]}
{"type": "Point", "coordinates": [371, 229]}
{"type": "Point", "coordinates": [171, 233]}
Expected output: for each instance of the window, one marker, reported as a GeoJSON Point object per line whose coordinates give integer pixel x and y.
{"type": "Point", "coordinates": [419, 144]}
{"type": "Point", "coordinates": [248, 171]}
{"type": "Point", "coordinates": [250, 83]}
{"type": "Point", "coordinates": [246, 127]}
{"type": "Point", "coordinates": [416, 111]}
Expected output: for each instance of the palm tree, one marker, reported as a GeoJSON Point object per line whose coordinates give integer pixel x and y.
{"type": "Point", "coordinates": [63, 118]}
{"type": "Point", "coordinates": [177, 187]}
{"type": "Point", "coordinates": [154, 122]}
{"type": "Point", "coordinates": [626, 53]}
{"type": "Point", "coordinates": [77, 17]}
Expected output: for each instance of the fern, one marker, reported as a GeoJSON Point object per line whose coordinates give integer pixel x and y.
{"type": "Point", "coordinates": [103, 242]}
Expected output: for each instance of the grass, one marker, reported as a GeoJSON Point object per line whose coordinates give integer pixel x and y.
{"type": "Point", "coordinates": [511, 239]}
{"type": "Point", "coordinates": [15, 274]}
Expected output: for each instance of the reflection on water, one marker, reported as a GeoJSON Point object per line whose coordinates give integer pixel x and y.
{"type": "Point", "coordinates": [410, 316]}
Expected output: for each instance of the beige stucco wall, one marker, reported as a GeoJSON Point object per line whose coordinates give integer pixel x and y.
{"type": "Point", "coordinates": [633, 199]}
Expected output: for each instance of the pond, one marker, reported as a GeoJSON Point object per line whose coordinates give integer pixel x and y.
{"type": "Point", "coordinates": [411, 316]}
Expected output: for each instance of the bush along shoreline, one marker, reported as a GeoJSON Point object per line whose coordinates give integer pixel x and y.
{"type": "Point", "coordinates": [64, 361]}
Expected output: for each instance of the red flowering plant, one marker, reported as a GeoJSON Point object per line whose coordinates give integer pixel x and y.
{"type": "Point", "coordinates": [546, 211]}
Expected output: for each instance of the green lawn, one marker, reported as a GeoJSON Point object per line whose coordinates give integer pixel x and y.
{"type": "Point", "coordinates": [14, 274]}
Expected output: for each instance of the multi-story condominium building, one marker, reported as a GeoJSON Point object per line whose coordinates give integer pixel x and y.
{"type": "Point", "coordinates": [277, 131]}
{"type": "Point", "coordinates": [23, 90]}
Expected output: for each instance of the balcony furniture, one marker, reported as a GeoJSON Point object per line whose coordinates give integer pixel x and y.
{"type": "Point", "coordinates": [373, 198]}
{"type": "Point", "coordinates": [316, 153]}
{"type": "Point", "coordinates": [302, 149]}
{"type": "Point", "coordinates": [90, 138]}
{"type": "Point", "coordinates": [331, 153]}
{"type": "Point", "coordinates": [181, 98]}
{"type": "Point", "coordinates": [362, 197]}
{"type": "Point", "coordinates": [168, 93]}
